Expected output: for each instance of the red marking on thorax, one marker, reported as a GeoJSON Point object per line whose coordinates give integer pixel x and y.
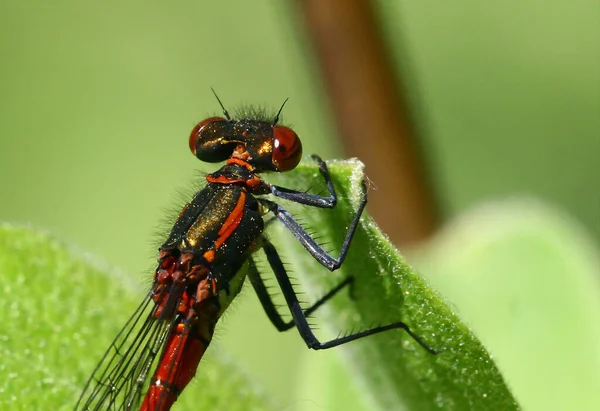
{"type": "Point", "coordinates": [240, 162]}
{"type": "Point", "coordinates": [223, 180]}
{"type": "Point", "coordinates": [232, 221]}
{"type": "Point", "coordinates": [183, 210]}
{"type": "Point", "coordinates": [252, 183]}
{"type": "Point", "coordinates": [209, 256]}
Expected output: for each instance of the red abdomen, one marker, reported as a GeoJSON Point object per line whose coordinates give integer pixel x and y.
{"type": "Point", "coordinates": [177, 366]}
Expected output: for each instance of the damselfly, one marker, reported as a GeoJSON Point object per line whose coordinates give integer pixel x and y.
{"type": "Point", "coordinates": [200, 266]}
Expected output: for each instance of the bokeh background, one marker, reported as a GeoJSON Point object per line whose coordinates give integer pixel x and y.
{"type": "Point", "coordinates": [97, 100]}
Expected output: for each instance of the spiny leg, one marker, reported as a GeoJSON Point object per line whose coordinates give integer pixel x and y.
{"type": "Point", "coordinates": [300, 318]}
{"type": "Point", "coordinates": [269, 307]}
{"type": "Point", "coordinates": [311, 245]}
{"type": "Point", "coordinates": [312, 200]}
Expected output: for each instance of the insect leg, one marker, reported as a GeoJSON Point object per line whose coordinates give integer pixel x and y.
{"type": "Point", "coordinates": [312, 200]}
{"type": "Point", "coordinates": [269, 307]}
{"type": "Point", "coordinates": [311, 245]}
{"type": "Point", "coordinates": [300, 318]}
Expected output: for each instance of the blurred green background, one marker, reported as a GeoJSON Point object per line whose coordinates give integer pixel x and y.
{"type": "Point", "coordinates": [97, 100]}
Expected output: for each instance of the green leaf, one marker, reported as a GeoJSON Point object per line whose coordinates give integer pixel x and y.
{"type": "Point", "coordinates": [527, 278]}
{"type": "Point", "coordinates": [392, 370]}
{"type": "Point", "coordinates": [60, 310]}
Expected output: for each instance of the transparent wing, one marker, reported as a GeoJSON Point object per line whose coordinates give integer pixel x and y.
{"type": "Point", "coordinates": [121, 378]}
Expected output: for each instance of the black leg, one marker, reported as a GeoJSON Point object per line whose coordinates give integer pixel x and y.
{"type": "Point", "coordinates": [269, 307]}
{"type": "Point", "coordinates": [300, 318]}
{"type": "Point", "coordinates": [322, 256]}
{"type": "Point", "coordinates": [310, 199]}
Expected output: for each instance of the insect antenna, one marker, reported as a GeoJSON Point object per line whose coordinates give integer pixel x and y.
{"type": "Point", "coordinates": [279, 112]}
{"type": "Point", "coordinates": [225, 112]}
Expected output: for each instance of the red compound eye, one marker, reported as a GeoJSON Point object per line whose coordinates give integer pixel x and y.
{"type": "Point", "coordinates": [287, 148]}
{"type": "Point", "coordinates": [195, 134]}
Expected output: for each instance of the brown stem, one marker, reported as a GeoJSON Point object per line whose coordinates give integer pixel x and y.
{"type": "Point", "coordinates": [372, 116]}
